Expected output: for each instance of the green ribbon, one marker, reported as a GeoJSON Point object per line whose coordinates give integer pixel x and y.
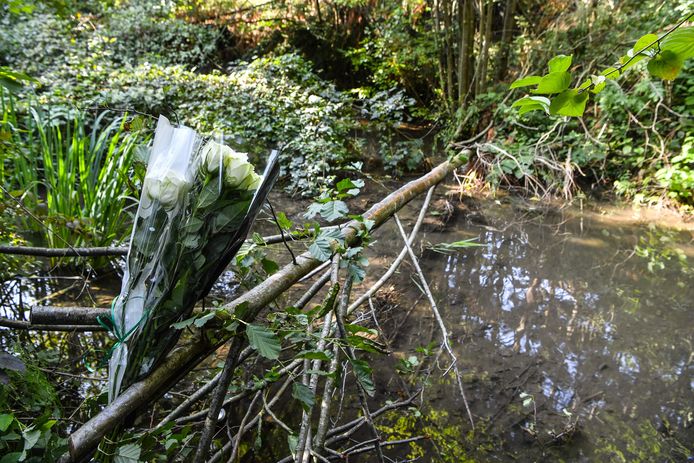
{"type": "Point", "coordinates": [112, 328]}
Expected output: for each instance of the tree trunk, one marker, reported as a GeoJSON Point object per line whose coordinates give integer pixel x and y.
{"type": "Point", "coordinates": [506, 36]}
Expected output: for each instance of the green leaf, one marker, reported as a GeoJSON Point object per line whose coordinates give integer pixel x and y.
{"type": "Point", "coordinates": [303, 394]}
{"type": "Point", "coordinates": [329, 301]}
{"type": "Point", "coordinates": [320, 249]}
{"type": "Point", "coordinates": [13, 457]}
{"type": "Point", "coordinates": [666, 65]}
{"type": "Point", "coordinates": [554, 82]}
{"type": "Point", "coordinates": [292, 442]}
{"type": "Point", "coordinates": [362, 371]}
{"type": "Point", "coordinates": [334, 210]}
{"type": "Point", "coordinates": [313, 355]}
{"type": "Point", "coordinates": [569, 103]}
{"type": "Point", "coordinates": [264, 341]}
{"type": "Point", "coordinates": [560, 63]}
{"type": "Point", "coordinates": [5, 421]}
{"type": "Point", "coordinates": [183, 324]}
{"type": "Point", "coordinates": [270, 266]}
{"type": "Point", "coordinates": [645, 43]}
{"type": "Point", "coordinates": [680, 42]}
{"type": "Point", "coordinates": [598, 83]}
{"type": "Point", "coordinates": [283, 221]}
{"type": "Point", "coordinates": [201, 321]}
{"type": "Point", "coordinates": [31, 437]}
{"type": "Point", "coordinates": [128, 453]}
{"type": "Point", "coordinates": [611, 73]}
{"type": "Point", "coordinates": [532, 101]}
{"type": "Point", "coordinates": [526, 81]}
{"type": "Point", "coordinates": [209, 193]}
{"type": "Point", "coordinates": [533, 107]}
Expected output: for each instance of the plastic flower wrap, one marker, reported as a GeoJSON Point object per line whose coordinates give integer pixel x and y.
{"type": "Point", "coordinates": [198, 202]}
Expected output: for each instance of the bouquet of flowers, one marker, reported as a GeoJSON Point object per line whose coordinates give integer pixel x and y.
{"type": "Point", "coordinates": [198, 202]}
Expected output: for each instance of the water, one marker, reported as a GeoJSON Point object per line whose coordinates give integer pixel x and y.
{"type": "Point", "coordinates": [588, 315]}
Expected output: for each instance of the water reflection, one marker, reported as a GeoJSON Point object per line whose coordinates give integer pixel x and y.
{"type": "Point", "coordinates": [606, 307]}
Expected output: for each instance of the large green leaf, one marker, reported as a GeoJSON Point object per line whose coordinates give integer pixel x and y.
{"type": "Point", "coordinates": [554, 82]}
{"type": "Point", "coordinates": [264, 341]}
{"type": "Point", "coordinates": [666, 65]}
{"type": "Point", "coordinates": [303, 394]}
{"type": "Point", "coordinates": [560, 63]}
{"type": "Point", "coordinates": [680, 42]}
{"type": "Point", "coordinates": [569, 103]}
{"type": "Point", "coordinates": [532, 103]}
{"type": "Point", "coordinates": [526, 81]}
{"type": "Point", "coordinates": [362, 370]}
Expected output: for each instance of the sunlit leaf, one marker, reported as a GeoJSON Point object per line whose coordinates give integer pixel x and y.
{"type": "Point", "coordinates": [560, 63]}
{"type": "Point", "coordinates": [645, 43]}
{"type": "Point", "coordinates": [526, 81]}
{"type": "Point", "coordinates": [680, 42]}
{"type": "Point", "coordinates": [569, 103]}
{"type": "Point", "coordinates": [666, 65]}
{"type": "Point", "coordinates": [554, 82]}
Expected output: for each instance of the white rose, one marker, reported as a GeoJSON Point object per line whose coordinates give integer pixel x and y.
{"type": "Point", "coordinates": [236, 169]}
{"type": "Point", "coordinates": [168, 189]}
{"type": "Point", "coordinates": [252, 182]}
{"type": "Point", "coordinates": [213, 154]}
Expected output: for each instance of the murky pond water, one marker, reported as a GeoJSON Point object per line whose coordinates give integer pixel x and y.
{"type": "Point", "coordinates": [575, 330]}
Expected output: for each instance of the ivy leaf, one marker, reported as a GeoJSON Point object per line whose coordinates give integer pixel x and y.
{"type": "Point", "coordinates": [303, 394]}
{"type": "Point", "coordinates": [560, 63]}
{"type": "Point", "coordinates": [333, 210]}
{"type": "Point", "coordinates": [526, 81]}
{"type": "Point", "coordinates": [362, 371]}
{"type": "Point", "coordinates": [554, 82]}
{"type": "Point", "coordinates": [680, 42]}
{"type": "Point", "coordinates": [128, 453]}
{"type": "Point", "coordinates": [569, 103]}
{"type": "Point", "coordinates": [264, 341]}
{"type": "Point", "coordinates": [666, 65]}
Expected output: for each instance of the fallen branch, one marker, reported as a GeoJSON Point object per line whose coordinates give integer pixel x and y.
{"type": "Point", "coordinates": [114, 251]}
{"type": "Point", "coordinates": [179, 362]}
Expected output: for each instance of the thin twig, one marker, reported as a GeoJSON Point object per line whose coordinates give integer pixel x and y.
{"type": "Point", "coordinates": [439, 319]}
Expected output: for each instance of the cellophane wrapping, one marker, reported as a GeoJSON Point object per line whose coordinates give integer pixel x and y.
{"type": "Point", "coordinates": [198, 201]}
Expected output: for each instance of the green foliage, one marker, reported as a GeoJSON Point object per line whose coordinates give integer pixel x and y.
{"type": "Point", "coordinates": [29, 421]}
{"type": "Point", "coordinates": [264, 341]}
{"type": "Point", "coordinates": [666, 56]}
{"type": "Point", "coordinates": [72, 170]}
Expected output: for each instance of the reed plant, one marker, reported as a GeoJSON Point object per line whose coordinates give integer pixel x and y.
{"type": "Point", "coordinates": [70, 170]}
